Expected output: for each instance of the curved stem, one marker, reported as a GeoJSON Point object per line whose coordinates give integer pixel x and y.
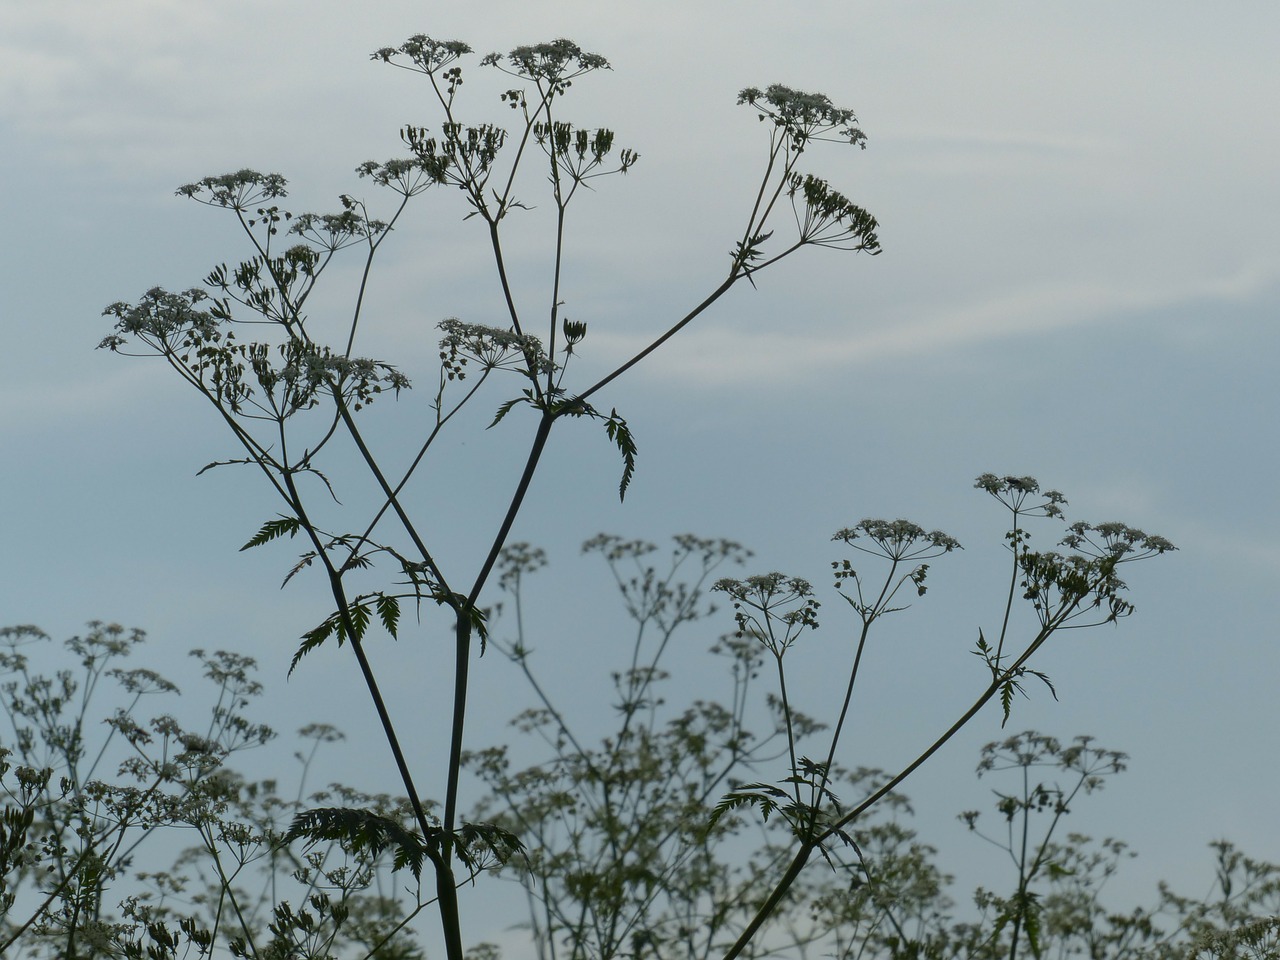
{"type": "Point", "coordinates": [848, 698]}
{"type": "Point", "coordinates": [517, 500]}
{"type": "Point", "coordinates": [462, 652]}
{"type": "Point", "coordinates": [1013, 585]}
{"type": "Point", "coordinates": [786, 715]}
{"type": "Point", "coordinates": [775, 897]}
{"type": "Point", "coordinates": [368, 267]}
{"type": "Point", "coordinates": [688, 318]}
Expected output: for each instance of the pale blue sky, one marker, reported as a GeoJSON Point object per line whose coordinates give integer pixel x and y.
{"type": "Point", "coordinates": [1080, 282]}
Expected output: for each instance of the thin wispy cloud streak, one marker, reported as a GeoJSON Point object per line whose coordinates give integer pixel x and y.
{"type": "Point", "coordinates": [720, 355]}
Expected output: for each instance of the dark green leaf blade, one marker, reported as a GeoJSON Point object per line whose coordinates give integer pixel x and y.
{"type": "Point", "coordinates": [272, 529]}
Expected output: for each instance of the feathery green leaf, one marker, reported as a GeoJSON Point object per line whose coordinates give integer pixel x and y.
{"type": "Point", "coordinates": [272, 529]}
{"type": "Point", "coordinates": [618, 431]}
{"type": "Point", "coordinates": [388, 612]}
{"type": "Point", "coordinates": [361, 830]}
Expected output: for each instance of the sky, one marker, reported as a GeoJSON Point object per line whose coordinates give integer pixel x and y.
{"type": "Point", "coordinates": [1080, 277]}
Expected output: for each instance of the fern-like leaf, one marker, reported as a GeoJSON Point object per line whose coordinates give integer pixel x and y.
{"type": "Point", "coordinates": [506, 408]}
{"type": "Point", "coordinates": [303, 562]}
{"type": "Point", "coordinates": [388, 612]}
{"type": "Point", "coordinates": [361, 830]}
{"type": "Point", "coordinates": [272, 529]}
{"type": "Point", "coordinates": [325, 481]}
{"type": "Point", "coordinates": [314, 638]}
{"type": "Point", "coordinates": [1007, 690]}
{"type": "Point", "coordinates": [1031, 921]}
{"type": "Point", "coordinates": [356, 561]}
{"type": "Point", "coordinates": [359, 614]}
{"type": "Point", "coordinates": [223, 463]}
{"type": "Point", "coordinates": [1044, 678]}
{"type": "Point", "coordinates": [762, 795]}
{"type": "Point", "coordinates": [620, 434]}
{"type": "Point", "coordinates": [476, 840]}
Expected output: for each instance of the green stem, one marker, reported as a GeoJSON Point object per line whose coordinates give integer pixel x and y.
{"type": "Point", "coordinates": [463, 630]}
{"type": "Point", "coordinates": [688, 318]}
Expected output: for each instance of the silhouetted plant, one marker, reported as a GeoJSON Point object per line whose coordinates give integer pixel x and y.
{"type": "Point", "coordinates": [288, 393]}
{"type": "Point", "coordinates": [87, 797]}
{"type": "Point", "coordinates": [293, 392]}
{"type": "Point", "coordinates": [626, 833]}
